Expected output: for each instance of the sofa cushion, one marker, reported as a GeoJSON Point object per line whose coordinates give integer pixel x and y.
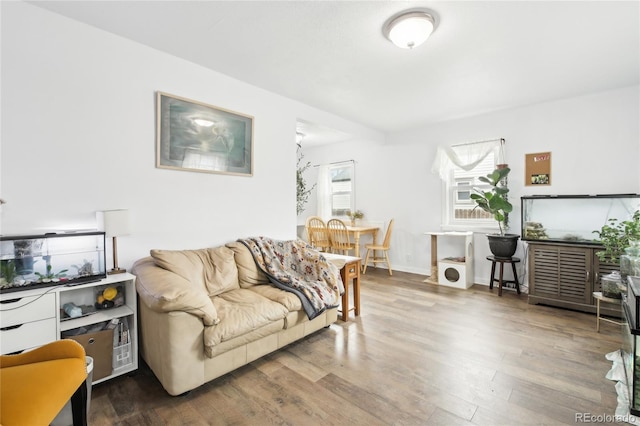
{"type": "Point", "coordinates": [286, 298]}
{"type": "Point", "coordinates": [164, 291]}
{"type": "Point", "coordinates": [212, 269]}
{"type": "Point", "coordinates": [241, 311]}
{"type": "Point", "coordinates": [248, 272]}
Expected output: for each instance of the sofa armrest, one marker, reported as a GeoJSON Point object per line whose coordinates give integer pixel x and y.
{"type": "Point", "coordinates": [165, 291]}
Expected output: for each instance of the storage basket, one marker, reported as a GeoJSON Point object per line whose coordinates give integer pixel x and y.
{"type": "Point", "coordinates": [122, 356]}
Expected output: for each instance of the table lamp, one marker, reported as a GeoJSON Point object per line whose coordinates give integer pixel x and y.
{"type": "Point", "coordinates": [115, 224]}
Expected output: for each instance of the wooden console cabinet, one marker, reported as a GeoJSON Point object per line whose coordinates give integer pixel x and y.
{"type": "Point", "coordinates": [566, 275]}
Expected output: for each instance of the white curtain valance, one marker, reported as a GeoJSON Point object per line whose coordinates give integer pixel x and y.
{"type": "Point", "coordinates": [466, 156]}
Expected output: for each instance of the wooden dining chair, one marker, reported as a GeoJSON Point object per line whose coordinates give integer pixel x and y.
{"type": "Point", "coordinates": [339, 237]}
{"type": "Point", "coordinates": [384, 248]}
{"type": "Point", "coordinates": [317, 233]}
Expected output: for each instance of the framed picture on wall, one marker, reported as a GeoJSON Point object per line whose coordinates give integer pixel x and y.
{"type": "Point", "coordinates": [194, 136]}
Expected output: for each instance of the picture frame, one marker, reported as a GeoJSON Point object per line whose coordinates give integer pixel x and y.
{"type": "Point", "coordinates": [198, 137]}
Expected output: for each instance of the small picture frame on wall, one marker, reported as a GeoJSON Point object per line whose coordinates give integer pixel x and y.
{"type": "Point", "coordinates": [538, 169]}
{"type": "Point", "coordinates": [197, 137]}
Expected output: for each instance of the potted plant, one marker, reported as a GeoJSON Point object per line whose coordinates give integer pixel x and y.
{"type": "Point", "coordinates": [358, 214]}
{"type": "Point", "coordinates": [495, 202]}
{"type": "Point", "coordinates": [615, 236]}
{"type": "Point", "coordinates": [302, 192]}
{"type": "Point", "coordinates": [618, 237]}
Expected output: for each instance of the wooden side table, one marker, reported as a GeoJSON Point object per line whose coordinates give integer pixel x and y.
{"type": "Point", "coordinates": [501, 280]}
{"type": "Point", "coordinates": [349, 272]}
{"type": "Point", "coordinates": [600, 298]}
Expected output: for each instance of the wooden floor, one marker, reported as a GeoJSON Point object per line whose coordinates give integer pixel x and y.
{"type": "Point", "coordinates": [418, 355]}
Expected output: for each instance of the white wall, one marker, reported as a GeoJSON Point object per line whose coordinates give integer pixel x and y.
{"type": "Point", "coordinates": [594, 142]}
{"type": "Point", "coordinates": [78, 136]}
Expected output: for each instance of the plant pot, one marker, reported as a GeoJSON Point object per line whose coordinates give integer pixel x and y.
{"type": "Point", "coordinates": [503, 246]}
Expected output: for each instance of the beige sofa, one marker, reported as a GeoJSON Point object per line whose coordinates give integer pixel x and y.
{"type": "Point", "coordinates": [204, 313]}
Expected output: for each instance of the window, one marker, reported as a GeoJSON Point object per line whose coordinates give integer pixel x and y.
{"type": "Point", "coordinates": [342, 199]}
{"type": "Point", "coordinates": [463, 190]}
{"type": "Point", "coordinates": [460, 186]}
{"type": "Point", "coordinates": [336, 189]}
{"type": "Point", "coordinates": [460, 168]}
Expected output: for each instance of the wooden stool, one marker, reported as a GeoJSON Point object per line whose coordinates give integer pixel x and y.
{"type": "Point", "coordinates": [512, 261]}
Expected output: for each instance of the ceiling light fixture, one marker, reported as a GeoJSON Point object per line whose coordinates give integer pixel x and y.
{"type": "Point", "coordinates": [410, 28]}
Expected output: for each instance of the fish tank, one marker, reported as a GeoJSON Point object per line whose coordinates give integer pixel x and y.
{"type": "Point", "coordinates": [631, 342]}
{"type": "Point", "coordinates": [33, 261]}
{"type": "Point", "coordinates": [573, 218]}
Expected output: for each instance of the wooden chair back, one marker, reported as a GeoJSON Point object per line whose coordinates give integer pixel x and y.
{"type": "Point", "coordinates": [384, 248]}
{"type": "Point", "coordinates": [339, 236]}
{"type": "Point", "coordinates": [387, 236]}
{"type": "Point", "coordinates": [317, 233]}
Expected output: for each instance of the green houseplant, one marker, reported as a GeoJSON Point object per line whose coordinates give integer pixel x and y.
{"type": "Point", "coordinates": [495, 201]}
{"type": "Point", "coordinates": [7, 272]}
{"type": "Point", "coordinates": [302, 192]}
{"type": "Point", "coordinates": [354, 215]}
{"type": "Point", "coordinates": [617, 235]}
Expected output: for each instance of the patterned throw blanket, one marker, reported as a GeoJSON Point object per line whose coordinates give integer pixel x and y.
{"type": "Point", "coordinates": [297, 267]}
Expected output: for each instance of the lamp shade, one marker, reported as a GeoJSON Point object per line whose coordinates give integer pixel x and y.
{"type": "Point", "coordinates": [115, 223]}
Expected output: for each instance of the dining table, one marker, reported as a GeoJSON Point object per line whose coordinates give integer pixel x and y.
{"type": "Point", "coordinates": [357, 231]}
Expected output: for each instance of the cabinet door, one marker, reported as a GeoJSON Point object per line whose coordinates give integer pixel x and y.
{"type": "Point", "coordinates": [544, 271]}
{"type": "Point", "coordinates": [560, 272]}
{"type": "Point", "coordinates": [575, 278]}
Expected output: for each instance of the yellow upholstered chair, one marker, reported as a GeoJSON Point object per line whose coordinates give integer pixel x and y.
{"type": "Point", "coordinates": [384, 248]}
{"type": "Point", "coordinates": [36, 385]}
{"type": "Point", "coordinates": [339, 236]}
{"type": "Point", "coordinates": [317, 233]}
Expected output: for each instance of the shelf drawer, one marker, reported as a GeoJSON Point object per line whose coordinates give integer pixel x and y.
{"type": "Point", "coordinates": [351, 270]}
{"type": "Point", "coordinates": [26, 336]}
{"type": "Point", "coordinates": [21, 310]}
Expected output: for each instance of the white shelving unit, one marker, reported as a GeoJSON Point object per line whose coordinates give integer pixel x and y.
{"type": "Point", "coordinates": [31, 318]}
{"type": "Point", "coordinates": [454, 271]}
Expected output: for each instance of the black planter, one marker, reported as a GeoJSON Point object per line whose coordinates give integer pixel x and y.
{"type": "Point", "coordinates": [503, 246]}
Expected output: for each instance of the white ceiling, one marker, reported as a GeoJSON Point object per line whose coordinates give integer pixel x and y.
{"type": "Point", "coordinates": [332, 55]}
